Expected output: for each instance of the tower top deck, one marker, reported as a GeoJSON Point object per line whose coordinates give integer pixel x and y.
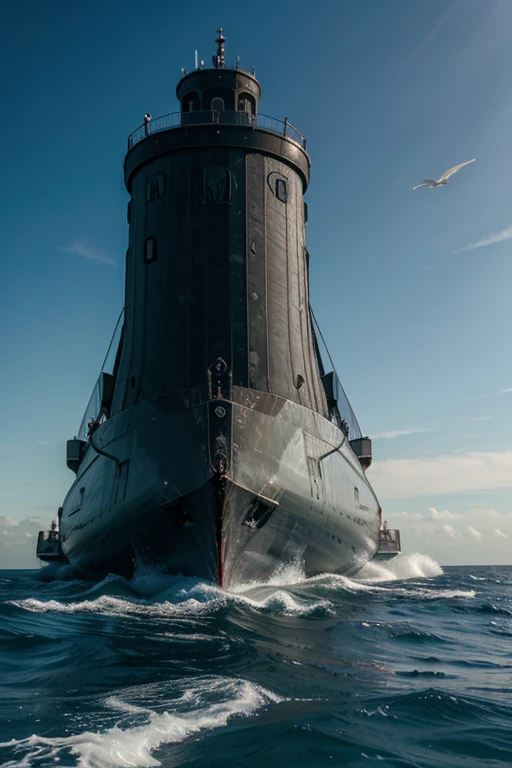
{"type": "Point", "coordinates": [218, 94]}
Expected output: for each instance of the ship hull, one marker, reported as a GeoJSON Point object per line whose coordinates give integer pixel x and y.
{"type": "Point", "coordinates": [151, 490]}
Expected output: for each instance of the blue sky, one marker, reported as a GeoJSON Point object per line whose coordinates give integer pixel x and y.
{"type": "Point", "coordinates": [417, 319]}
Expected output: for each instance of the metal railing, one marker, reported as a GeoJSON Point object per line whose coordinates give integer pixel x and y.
{"type": "Point", "coordinates": [333, 387]}
{"type": "Point", "coordinates": [212, 117]}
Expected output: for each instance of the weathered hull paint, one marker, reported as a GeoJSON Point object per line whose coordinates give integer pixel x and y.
{"type": "Point", "coordinates": [273, 505]}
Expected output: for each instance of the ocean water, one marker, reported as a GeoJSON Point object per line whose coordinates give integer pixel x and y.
{"type": "Point", "coordinates": [408, 665]}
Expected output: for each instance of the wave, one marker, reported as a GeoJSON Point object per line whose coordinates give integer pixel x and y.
{"type": "Point", "coordinates": [498, 610]}
{"type": "Point", "coordinates": [401, 568]}
{"type": "Point", "coordinates": [410, 633]}
{"type": "Point", "coordinates": [486, 608]}
{"type": "Point", "coordinates": [186, 598]}
{"type": "Point", "coordinates": [434, 704]}
{"type": "Point", "coordinates": [155, 594]}
{"type": "Point", "coordinates": [352, 586]}
{"type": "Point", "coordinates": [424, 673]}
{"type": "Point", "coordinates": [207, 703]}
{"type": "Point", "coordinates": [57, 572]}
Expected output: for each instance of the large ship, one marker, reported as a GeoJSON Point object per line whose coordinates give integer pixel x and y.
{"type": "Point", "coordinates": [218, 442]}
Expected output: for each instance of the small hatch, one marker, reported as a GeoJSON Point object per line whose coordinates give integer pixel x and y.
{"type": "Point", "coordinates": [258, 514]}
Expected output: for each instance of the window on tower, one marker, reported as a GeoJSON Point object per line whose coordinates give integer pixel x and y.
{"type": "Point", "coordinates": [218, 104]}
{"type": "Point", "coordinates": [217, 185]}
{"type": "Point", "coordinates": [155, 187]}
{"type": "Point", "coordinates": [246, 109]}
{"type": "Point", "coordinates": [150, 250]}
{"type": "Point", "coordinates": [246, 103]}
{"type": "Point", "coordinates": [281, 191]}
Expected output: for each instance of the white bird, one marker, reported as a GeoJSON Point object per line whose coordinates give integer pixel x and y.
{"type": "Point", "coordinates": [443, 181]}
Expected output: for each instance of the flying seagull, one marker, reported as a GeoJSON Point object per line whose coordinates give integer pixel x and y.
{"type": "Point", "coordinates": [443, 181]}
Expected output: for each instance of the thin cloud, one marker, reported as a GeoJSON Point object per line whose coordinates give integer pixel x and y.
{"type": "Point", "coordinates": [506, 391]}
{"type": "Point", "coordinates": [391, 435]}
{"type": "Point", "coordinates": [500, 534]}
{"type": "Point", "coordinates": [488, 37]}
{"type": "Point", "coordinates": [87, 251]}
{"type": "Point", "coordinates": [434, 31]}
{"type": "Point", "coordinates": [41, 442]}
{"type": "Point", "coordinates": [481, 418]}
{"type": "Point", "coordinates": [496, 237]}
{"type": "Point", "coordinates": [476, 535]}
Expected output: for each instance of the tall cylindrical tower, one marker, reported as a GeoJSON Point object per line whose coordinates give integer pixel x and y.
{"type": "Point", "coordinates": [217, 265]}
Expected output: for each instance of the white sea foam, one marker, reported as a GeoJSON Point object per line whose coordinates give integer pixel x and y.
{"type": "Point", "coordinates": [106, 605]}
{"type": "Point", "coordinates": [428, 592]}
{"type": "Point", "coordinates": [206, 704]}
{"type": "Point", "coordinates": [283, 603]}
{"type": "Point", "coordinates": [185, 601]}
{"type": "Point", "coordinates": [183, 597]}
{"type": "Point", "coordinates": [400, 568]}
{"type": "Point", "coordinates": [285, 575]}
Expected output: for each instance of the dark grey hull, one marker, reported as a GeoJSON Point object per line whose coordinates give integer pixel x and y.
{"type": "Point", "coordinates": [151, 489]}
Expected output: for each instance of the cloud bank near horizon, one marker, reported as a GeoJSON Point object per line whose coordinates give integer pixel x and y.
{"type": "Point", "coordinates": [479, 536]}
{"type": "Point", "coordinates": [445, 474]}
{"type": "Point", "coordinates": [18, 541]}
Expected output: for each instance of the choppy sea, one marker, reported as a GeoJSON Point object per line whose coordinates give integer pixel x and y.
{"type": "Point", "coordinates": [407, 665]}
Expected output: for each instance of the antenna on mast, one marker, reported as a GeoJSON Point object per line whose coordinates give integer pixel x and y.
{"type": "Point", "coordinates": [196, 62]}
{"type": "Point", "coordinates": [219, 62]}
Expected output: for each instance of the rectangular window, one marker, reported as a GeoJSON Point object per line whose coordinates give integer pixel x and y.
{"type": "Point", "coordinates": [149, 250]}
{"type": "Point", "coordinates": [121, 481]}
{"type": "Point", "coordinates": [281, 192]}
{"type": "Point", "coordinates": [217, 185]}
{"type": "Point", "coordinates": [155, 187]}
